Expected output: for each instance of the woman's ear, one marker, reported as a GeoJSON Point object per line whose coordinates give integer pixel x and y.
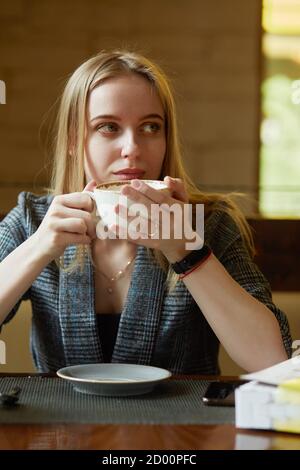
{"type": "Point", "coordinates": [71, 143]}
{"type": "Point", "coordinates": [71, 149]}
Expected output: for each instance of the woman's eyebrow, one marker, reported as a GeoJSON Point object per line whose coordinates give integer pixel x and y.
{"type": "Point", "coordinates": [115, 118]}
{"type": "Point", "coordinates": [152, 116]}
{"type": "Point", "coordinates": [106, 116]}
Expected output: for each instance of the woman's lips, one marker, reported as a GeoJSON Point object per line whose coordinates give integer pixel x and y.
{"type": "Point", "coordinates": [128, 176]}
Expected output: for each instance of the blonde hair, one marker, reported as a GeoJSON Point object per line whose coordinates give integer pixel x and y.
{"type": "Point", "coordinates": [68, 168]}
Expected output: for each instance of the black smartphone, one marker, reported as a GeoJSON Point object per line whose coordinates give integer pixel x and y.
{"type": "Point", "coordinates": [221, 393]}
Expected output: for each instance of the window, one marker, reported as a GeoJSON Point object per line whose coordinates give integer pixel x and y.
{"type": "Point", "coordinates": [279, 183]}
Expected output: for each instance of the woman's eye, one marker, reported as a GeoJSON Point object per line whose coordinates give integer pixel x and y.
{"type": "Point", "coordinates": [151, 127]}
{"type": "Point", "coordinates": [108, 127]}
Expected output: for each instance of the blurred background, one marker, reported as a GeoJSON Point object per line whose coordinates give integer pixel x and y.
{"type": "Point", "coordinates": [234, 66]}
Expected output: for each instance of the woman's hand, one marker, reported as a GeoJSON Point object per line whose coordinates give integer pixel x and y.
{"type": "Point", "coordinates": [68, 221]}
{"type": "Point", "coordinates": [168, 229]}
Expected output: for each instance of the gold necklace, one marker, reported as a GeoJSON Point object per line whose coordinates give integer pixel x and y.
{"type": "Point", "coordinates": [116, 276]}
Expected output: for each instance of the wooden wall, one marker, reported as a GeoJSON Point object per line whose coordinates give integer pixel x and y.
{"type": "Point", "coordinates": [210, 49]}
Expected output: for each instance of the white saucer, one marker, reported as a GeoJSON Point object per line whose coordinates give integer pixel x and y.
{"type": "Point", "coordinates": [113, 379]}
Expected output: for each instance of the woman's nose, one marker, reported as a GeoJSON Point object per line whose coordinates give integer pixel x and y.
{"type": "Point", "coordinates": [130, 147]}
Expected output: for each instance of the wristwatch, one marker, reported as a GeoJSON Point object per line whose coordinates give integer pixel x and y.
{"type": "Point", "coordinates": [194, 257]}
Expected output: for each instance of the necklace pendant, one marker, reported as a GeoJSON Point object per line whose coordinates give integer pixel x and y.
{"type": "Point", "coordinates": [109, 290]}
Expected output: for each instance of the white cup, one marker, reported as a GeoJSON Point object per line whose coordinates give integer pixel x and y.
{"type": "Point", "coordinates": [108, 195]}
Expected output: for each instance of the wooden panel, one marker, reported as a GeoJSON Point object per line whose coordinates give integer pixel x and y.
{"type": "Point", "coordinates": [211, 51]}
{"type": "Point", "coordinates": [278, 252]}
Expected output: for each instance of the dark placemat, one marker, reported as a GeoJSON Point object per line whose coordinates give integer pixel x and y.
{"type": "Point", "coordinates": [53, 400]}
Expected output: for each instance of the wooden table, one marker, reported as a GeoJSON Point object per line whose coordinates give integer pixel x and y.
{"type": "Point", "coordinates": [146, 437]}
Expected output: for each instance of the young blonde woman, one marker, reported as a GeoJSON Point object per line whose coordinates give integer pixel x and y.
{"type": "Point", "coordinates": [132, 300]}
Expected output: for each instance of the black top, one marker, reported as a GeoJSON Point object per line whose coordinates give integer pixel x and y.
{"type": "Point", "coordinates": [108, 324]}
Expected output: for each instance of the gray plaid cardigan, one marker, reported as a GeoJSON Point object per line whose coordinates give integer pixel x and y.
{"type": "Point", "coordinates": [156, 327]}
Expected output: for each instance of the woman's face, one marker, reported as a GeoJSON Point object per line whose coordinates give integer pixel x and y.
{"type": "Point", "coordinates": [125, 130]}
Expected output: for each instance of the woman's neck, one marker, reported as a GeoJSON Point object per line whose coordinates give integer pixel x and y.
{"type": "Point", "coordinates": [111, 247]}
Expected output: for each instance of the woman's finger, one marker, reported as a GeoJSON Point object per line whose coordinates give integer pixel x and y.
{"type": "Point", "coordinates": [75, 200]}
{"type": "Point", "coordinates": [177, 188]}
{"type": "Point", "coordinates": [71, 225]}
{"type": "Point", "coordinates": [67, 212]}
